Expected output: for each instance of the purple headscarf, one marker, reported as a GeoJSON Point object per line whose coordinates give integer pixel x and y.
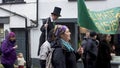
{"type": "Point", "coordinates": [60, 30]}
{"type": "Point", "coordinates": [11, 34]}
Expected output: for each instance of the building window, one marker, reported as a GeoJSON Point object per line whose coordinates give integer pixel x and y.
{"type": "Point", "coordinates": [12, 1]}
{"type": "Point", "coordinates": [4, 20]}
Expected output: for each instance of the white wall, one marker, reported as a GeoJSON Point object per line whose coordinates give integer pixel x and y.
{"type": "Point", "coordinates": [30, 1]}
{"type": "Point", "coordinates": [28, 9]}
{"type": "Point", "coordinates": [0, 1]}
{"type": "Point", "coordinates": [6, 27]}
{"type": "Point", "coordinates": [69, 9]}
{"type": "Point", "coordinates": [17, 22]}
{"type": "Point", "coordinates": [35, 34]}
{"type": "Point", "coordinates": [4, 13]}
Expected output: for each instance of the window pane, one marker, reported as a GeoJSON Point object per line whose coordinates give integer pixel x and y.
{"type": "Point", "coordinates": [12, 1]}
{"type": "Point", "coordinates": [19, 0]}
{"type": "Point", "coordinates": [4, 20]}
{"type": "Point", "coordinates": [8, 1]}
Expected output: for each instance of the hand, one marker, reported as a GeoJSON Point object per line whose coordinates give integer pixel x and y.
{"type": "Point", "coordinates": [80, 50]}
{"type": "Point", "coordinates": [112, 54]}
{"type": "Point", "coordinates": [46, 25]}
{"type": "Point", "coordinates": [15, 47]}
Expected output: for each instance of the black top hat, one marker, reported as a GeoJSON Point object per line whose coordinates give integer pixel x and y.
{"type": "Point", "coordinates": [56, 11]}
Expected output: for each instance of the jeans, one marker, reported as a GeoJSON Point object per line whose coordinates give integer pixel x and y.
{"type": "Point", "coordinates": [43, 63]}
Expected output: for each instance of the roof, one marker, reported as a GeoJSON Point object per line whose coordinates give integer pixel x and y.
{"type": "Point", "coordinates": [12, 12]}
{"type": "Point", "coordinates": [16, 14]}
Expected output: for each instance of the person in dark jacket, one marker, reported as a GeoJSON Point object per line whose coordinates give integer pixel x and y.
{"type": "Point", "coordinates": [83, 44]}
{"type": "Point", "coordinates": [48, 25]}
{"type": "Point", "coordinates": [9, 51]}
{"type": "Point", "coordinates": [104, 57]}
{"type": "Point", "coordinates": [90, 51]}
{"type": "Point", "coordinates": [64, 56]}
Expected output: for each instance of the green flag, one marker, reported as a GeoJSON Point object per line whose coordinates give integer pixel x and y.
{"type": "Point", "coordinates": [84, 18]}
{"type": "Point", "coordinates": [106, 21]}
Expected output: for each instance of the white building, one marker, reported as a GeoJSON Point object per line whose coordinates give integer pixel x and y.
{"type": "Point", "coordinates": [14, 14]}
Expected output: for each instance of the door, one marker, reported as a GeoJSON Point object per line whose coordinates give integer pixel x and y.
{"type": "Point", "coordinates": [20, 40]}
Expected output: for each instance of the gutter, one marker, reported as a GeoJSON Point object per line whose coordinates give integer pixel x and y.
{"type": "Point", "coordinates": [27, 45]}
{"type": "Point", "coordinates": [37, 14]}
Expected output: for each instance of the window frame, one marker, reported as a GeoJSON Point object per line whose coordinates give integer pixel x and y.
{"type": "Point", "coordinates": [4, 20]}
{"type": "Point", "coordinates": [12, 1]}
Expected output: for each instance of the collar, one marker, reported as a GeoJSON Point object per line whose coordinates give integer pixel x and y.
{"type": "Point", "coordinates": [52, 19]}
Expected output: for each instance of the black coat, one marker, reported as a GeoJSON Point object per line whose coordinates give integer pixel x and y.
{"type": "Point", "coordinates": [104, 57]}
{"type": "Point", "coordinates": [62, 58]}
{"type": "Point", "coordinates": [90, 53]}
{"type": "Point", "coordinates": [43, 30]}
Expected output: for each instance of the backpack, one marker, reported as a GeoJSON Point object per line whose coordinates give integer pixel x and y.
{"type": "Point", "coordinates": [49, 59]}
{"type": "Point", "coordinates": [44, 50]}
{"type": "Point", "coordinates": [46, 53]}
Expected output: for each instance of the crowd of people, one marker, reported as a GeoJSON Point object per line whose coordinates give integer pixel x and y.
{"type": "Point", "coordinates": [93, 52]}
{"type": "Point", "coordinates": [97, 53]}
